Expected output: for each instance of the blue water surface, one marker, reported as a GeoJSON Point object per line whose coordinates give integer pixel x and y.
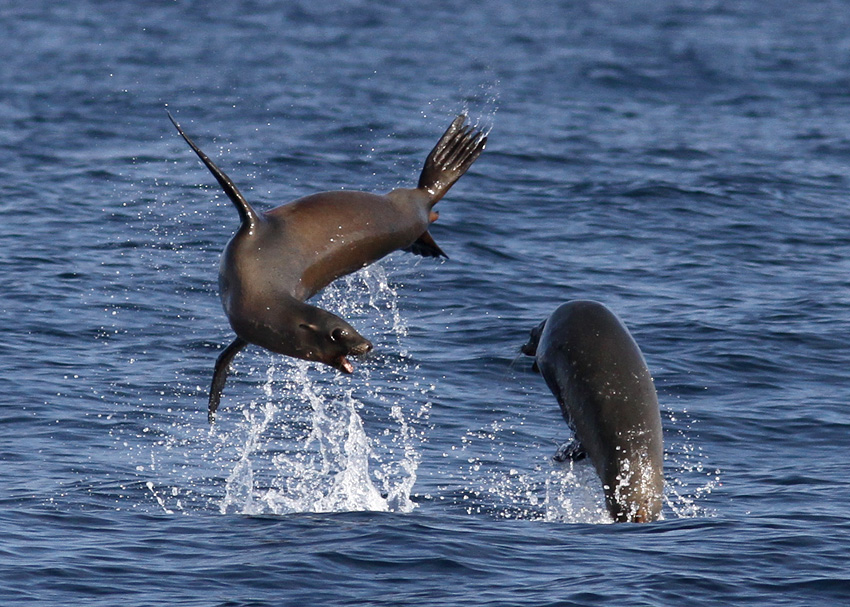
{"type": "Point", "coordinates": [684, 162]}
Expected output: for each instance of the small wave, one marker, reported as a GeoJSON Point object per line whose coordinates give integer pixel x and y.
{"type": "Point", "coordinates": [668, 192]}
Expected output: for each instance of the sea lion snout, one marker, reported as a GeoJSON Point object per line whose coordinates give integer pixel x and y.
{"type": "Point", "coordinates": [530, 347]}
{"type": "Point", "coordinates": [363, 348]}
{"type": "Point", "coordinates": [344, 341]}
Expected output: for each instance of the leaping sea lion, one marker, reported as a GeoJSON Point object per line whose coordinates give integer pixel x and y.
{"type": "Point", "coordinates": [280, 258]}
{"type": "Point", "coordinates": [598, 374]}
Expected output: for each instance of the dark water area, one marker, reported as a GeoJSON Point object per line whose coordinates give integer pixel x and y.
{"type": "Point", "coordinates": [683, 162]}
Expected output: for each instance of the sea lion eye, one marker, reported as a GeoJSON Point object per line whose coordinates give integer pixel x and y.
{"type": "Point", "coordinates": [338, 334]}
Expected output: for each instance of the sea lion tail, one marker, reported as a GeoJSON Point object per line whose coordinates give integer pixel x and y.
{"type": "Point", "coordinates": [454, 153]}
{"type": "Point", "coordinates": [246, 213]}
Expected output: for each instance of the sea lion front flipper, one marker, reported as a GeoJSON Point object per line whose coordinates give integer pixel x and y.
{"type": "Point", "coordinates": [426, 247]}
{"type": "Point", "coordinates": [571, 451]}
{"type": "Point", "coordinates": [454, 153]}
{"type": "Point", "coordinates": [246, 213]}
{"type": "Point", "coordinates": [222, 366]}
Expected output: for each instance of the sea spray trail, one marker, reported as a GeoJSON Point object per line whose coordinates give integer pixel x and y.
{"type": "Point", "coordinates": [240, 487]}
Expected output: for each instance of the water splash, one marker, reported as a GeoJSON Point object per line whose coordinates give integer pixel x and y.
{"type": "Point", "coordinates": [316, 440]}
{"type": "Point", "coordinates": [497, 476]}
{"type": "Point", "coordinates": [574, 494]}
{"type": "Point", "coordinates": [239, 487]}
{"type": "Point", "coordinates": [479, 100]}
{"type": "Point", "coordinates": [689, 479]}
{"type": "Point", "coordinates": [505, 475]}
{"type": "Point", "coordinates": [327, 471]}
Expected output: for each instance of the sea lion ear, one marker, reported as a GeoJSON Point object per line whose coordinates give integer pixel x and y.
{"type": "Point", "coordinates": [309, 327]}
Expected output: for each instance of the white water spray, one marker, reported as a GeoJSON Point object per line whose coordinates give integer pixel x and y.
{"type": "Point", "coordinates": [315, 440]}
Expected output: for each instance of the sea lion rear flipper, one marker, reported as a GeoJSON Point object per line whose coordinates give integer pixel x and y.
{"type": "Point", "coordinates": [454, 153]}
{"type": "Point", "coordinates": [222, 366]}
{"type": "Point", "coordinates": [571, 451]}
{"type": "Point", "coordinates": [426, 247]}
{"type": "Point", "coordinates": [246, 213]}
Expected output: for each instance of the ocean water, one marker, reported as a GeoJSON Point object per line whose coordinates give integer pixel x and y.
{"type": "Point", "coordinates": [684, 162]}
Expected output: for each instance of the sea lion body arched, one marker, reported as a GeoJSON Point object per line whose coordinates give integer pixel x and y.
{"type": "Point", "coordinates": [291, 253]}
{"type": "Point", "coordinates": [595, 369]}
{"type": "Point", "coordinates": [280, 258]}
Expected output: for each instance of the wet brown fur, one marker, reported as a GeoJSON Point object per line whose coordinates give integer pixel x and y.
{"type": "Point", "coordinates": [280, 258]}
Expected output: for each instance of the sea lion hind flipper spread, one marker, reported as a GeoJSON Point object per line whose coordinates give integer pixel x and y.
{"type": "Point", "coordinates": [246, 213]}
{"type": "Point", "coordinates": [454, 153]}
{"type": "Point", "coordinates": [222, 366]}
{"type": "Point", "coordinates": [426, 247]}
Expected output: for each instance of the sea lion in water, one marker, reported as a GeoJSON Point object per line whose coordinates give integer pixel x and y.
{"type": "Point", "coordinates": [598, 374]}
{"type": "Point", "coordinates": [280, 258]}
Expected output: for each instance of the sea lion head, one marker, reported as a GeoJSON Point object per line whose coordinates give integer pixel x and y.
{"type": "Point", "coordinates": [530, 347]}
{"type": "Point", "coordinates": [327, 338]}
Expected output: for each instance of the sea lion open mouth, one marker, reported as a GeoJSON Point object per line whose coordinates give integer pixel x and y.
{"type": "Point", "coordinates": [344, 365]}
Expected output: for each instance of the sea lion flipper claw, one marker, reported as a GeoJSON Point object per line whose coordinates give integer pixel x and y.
{"type": "Point", "coordinates": [246, 213]}
{"type": "Point", "coordinates": [222, 367]}
{"type": "Point", "coordinates": [454, 153]}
